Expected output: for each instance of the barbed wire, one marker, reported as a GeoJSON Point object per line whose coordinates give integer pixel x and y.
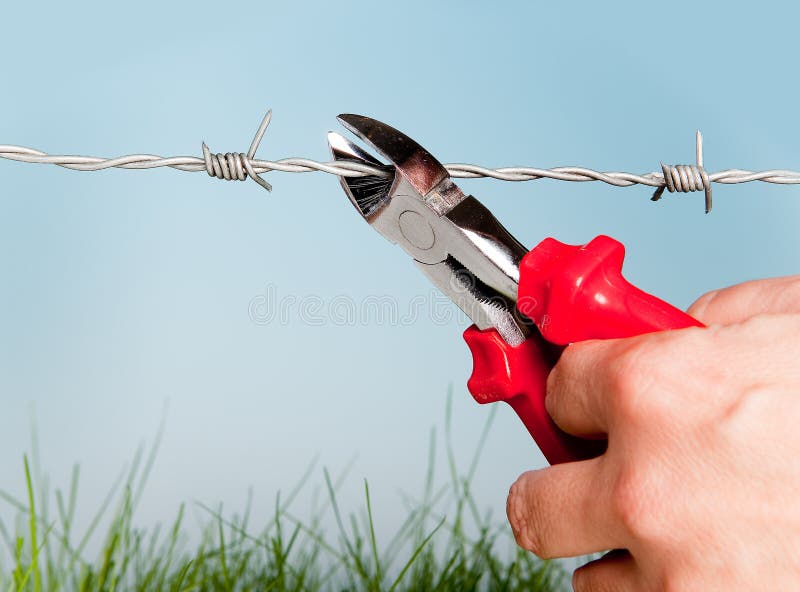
{"type": "Point", "coordinates": [239, 166]}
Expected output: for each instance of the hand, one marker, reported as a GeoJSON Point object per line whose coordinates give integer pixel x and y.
{"type": "Point", "coordinates": [700, 484]}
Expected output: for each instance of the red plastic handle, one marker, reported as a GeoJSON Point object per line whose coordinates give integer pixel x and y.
{"type": "Point", "coordinates": [572, 293]}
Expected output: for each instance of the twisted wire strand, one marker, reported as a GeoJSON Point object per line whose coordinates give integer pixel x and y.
{"type": "Point", "coordinates": [239, 166]}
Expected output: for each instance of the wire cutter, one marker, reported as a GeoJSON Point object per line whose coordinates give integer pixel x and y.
{"type": "Point", "coordinates": [526, 306]}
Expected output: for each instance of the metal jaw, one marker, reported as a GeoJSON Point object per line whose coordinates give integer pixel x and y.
{"type": "Point", "coordinates": [454, 240]}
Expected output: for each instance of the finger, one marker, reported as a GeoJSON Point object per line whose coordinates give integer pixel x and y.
{"type": "Point", "coordinates": [742, 301]}
{"type": "Point", "coordinates": [614, 572]}
{"type": "Point", "coordinates": [576, 385]}
{"type": "Point", "coordinates": [563, 511]}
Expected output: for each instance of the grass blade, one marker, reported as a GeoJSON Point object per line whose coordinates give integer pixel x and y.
{"type": "Point", "coordinates": [414, 556]}
{"type": "Point", "coordinates": [374, 544]}
{"type": "Point", "coordinates": [37, 576]}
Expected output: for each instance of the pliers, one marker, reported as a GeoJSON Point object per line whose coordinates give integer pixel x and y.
{"type": "Point", "coordinates": [526, 306]}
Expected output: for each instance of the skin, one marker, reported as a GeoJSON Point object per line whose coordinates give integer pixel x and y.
{"type": "Point", "coordinates": [700, 485]}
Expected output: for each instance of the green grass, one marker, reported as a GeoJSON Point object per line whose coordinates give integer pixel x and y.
{"type": "Point", "coordinates": [445, 543]}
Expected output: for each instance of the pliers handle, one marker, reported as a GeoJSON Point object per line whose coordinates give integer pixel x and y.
{"type": "Point", "coordinates": [572, 293]}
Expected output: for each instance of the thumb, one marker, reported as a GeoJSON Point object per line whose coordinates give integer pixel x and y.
{"type": "Point", "coordinates": [742, 301]}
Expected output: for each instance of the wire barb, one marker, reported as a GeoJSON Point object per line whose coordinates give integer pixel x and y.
{"type": "Point", "coordinates": [238, 166]}
{"type": "Point", "coordinates": [686, 177]}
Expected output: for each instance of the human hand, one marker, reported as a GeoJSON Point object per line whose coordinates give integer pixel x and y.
{"type": "Point", "coordinates": [700, 484]}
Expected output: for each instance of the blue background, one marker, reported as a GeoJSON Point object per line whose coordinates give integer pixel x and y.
{"type": "Point", "coordinates": [125, 289]}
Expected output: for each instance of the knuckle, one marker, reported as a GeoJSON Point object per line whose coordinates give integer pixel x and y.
{"type": "Point", "coordinates": [629, 376]}
{"type": "Point", "coordinates": [636, 505]}
{"type": "Point", "coordinates": [566, 367]}
{"type": "Point", "coordinates": [525, 515]}
{"type": "Point", "coordinates": [644, 376]}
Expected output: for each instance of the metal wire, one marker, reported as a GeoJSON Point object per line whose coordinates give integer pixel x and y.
{"type": "Point", "coordinates": [686, 177]}
{"type": "Point", "coordinates": [239, 166]}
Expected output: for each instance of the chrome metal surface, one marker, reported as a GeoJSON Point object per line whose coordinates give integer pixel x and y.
{"type": "Point", "coordinates": [366, 193]}
{"type": "Point", "coordinates": [410, 159]}
{"type": "Point", "coordinates": [454, 240]}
